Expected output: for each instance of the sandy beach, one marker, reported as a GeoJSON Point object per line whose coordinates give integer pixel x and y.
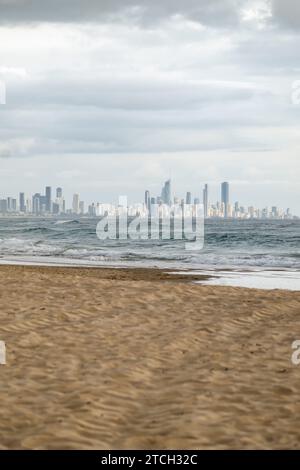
{"type": "Point", "coordinates": [125, 359]}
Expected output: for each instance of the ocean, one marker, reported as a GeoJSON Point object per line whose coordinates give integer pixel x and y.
{"type": "Point", "coordinates": [253, 249]}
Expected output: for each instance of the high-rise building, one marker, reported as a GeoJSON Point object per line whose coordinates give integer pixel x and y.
{"type": "Point", "coordinates": [75, 205]}
{"type": "Point", "coordinates": [225, 197]}
{"type": "Point", "coordinates": [59, 193]}
{"type": "Point", "coordinates": [3, 206]}
{"type": "Point", "coordinates": [147, 200]}
{"type": "Point", "coordinates": [60, 200]}
{"type": "Point", "coordinates": [28, 205]}
{"type": "Point", "coordinates": [81, 207]}
{"type": "Point", "coordinates": [55, 208]}
{"type": "Point", "coordinates": [22, 202]}
{"type": "Point", "coordinates": [36, 203]}
{"type": "Point", "coordinates": [166, 193]}
{"type": "Point", "coordinates": [43, 204]}
{"type": "Point", "coordinates": [92, 210]}
{"type": "Point", "coordinates": [48, 203]}
{"type": "Point", "coordinates": [205, 200]}
{"type": "Point", "coordinates": [274, 212]}
{"type": "Point", "coordinates": [9, 204]}
{"type": "Point", "coordinates": [188, 199]}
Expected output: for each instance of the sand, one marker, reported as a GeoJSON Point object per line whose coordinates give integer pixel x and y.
{"type": "Point", "coordinates": [136, 359]}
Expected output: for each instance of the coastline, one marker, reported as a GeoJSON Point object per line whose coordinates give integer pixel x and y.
{"type": "Point", "coordinates": [139, 358]}
{"type": "Point", "coordinates": [252, 277]}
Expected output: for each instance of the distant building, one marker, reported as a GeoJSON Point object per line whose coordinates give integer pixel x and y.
{"type": "Point", "coordinates": [147, 200]}
{"type": "Point", "coordinates": [9, 204]}
{"type": "Point", "coordinates": [55, 208]}
{"type": "Point", "coordinates": [205, 200]}
{"type": "Point", "coordinates": [3, 206]}
{"type": "Point", "coordinates": [81, 207]}
{"type": "Point", "coordinates": [274, 212]}
{"type": "Point", "coordinates": [225, 197]}
{"type": "Point", "coordinates": [29, 205]}
{"type": "Point", "coordinates": [36, 203]}
{"type": "Point", "coordinates": [188, 199]}
{"type": "Point", "coordinates": [14, 205]}
{"type": "Point", "coordinates": [22, 202]}
{"type": "Point", "coordinates": [166, 193]}
{"type": "Point", "coordinates": [48, 202]}
{"type": "Point", "coordinates": [59, 193]}
{"type": "Point", "coordinates": [75, 205]}
{"type": "Point", "coordinates": [92, 210]}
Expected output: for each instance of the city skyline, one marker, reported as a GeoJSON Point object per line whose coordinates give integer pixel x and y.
{"type": "Point", "coordinates": [45, 204]}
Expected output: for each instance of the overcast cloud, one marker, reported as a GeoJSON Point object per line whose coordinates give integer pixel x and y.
{"type": "Point", "coordinates": [108, 97]}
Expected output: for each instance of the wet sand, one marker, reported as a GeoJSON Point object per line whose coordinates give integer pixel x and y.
{"type": "Point", "coordinates": [122, 359]}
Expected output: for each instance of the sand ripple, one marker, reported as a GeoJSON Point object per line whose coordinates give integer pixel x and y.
{"type": "Point", "coordinates": [99, 359]}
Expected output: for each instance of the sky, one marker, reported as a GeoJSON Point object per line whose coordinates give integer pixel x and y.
{"type": "Point", "coordinates": [112, 97]}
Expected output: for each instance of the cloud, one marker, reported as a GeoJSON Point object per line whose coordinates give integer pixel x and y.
{"type": "Point", "coordinates": [128, 93]}
{"type": "Point", "coordinates": [286, 13]}
{"type": "Point", "coordinates": [217, 13]}
{"type": "Point", "coordinates": [30, 11]}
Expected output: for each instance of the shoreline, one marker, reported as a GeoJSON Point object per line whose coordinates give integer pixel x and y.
{"type": "Point", "coordinates": [248, 277]}
{"type": "Point", "coordinates": [111, 273]}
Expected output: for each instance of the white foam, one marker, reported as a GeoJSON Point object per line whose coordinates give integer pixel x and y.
{"type": "Point", "coordinates": [286, 280]}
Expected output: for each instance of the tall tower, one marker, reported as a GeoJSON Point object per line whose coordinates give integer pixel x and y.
{"type": "Point", "coordinates": [147, 200]}
{"type": "Point", "coordinates": [188, 199]}
{"type": "Point", "coordinates": [225, 197]}
{"type": "Point", "coordinates": [75, 204]}
{"type": "Point", "coordinates": [205, 201]}
{"type": "Point", "coordinates": [58, 192]}
{"type": "Point", "coordinates": [22, 202]}
{"type": "Point", "coordinates": [166, 194]}
{"type": "Point", "coordinates": [36, 203]}
{"type": "Point", "coordinates": [48, 199]}
{"type": "Point", "coordinates": [169, 192]}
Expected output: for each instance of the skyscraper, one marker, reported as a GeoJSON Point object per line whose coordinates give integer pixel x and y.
{"type": "Point", "coordinates": [9, 204]}
{"type": "Point", "coordinates": [81, 207]}
{"type": "Point", "coordinates": [58, 193]}
{"type": "Point", "coordinates": [225, 197]}
{"type": "Point", "coordinates": [75, 205]}
{"type": "Point", "coordinates": [48, 199]}
{"type": "Point", "coordinates": [36, 203]}
{"type": "Point", "coordinates": [22, 202]}
{"type": "Point", "coordinates": [205, 200]}
{"type": "Point", "coordinates": [55, 208]}
{"type": "Point", "coordinates": [188, 199]}
{"type": "Point", "coordinates": [147, 200]}
{"type": "Point", "coordinates": [3, 205]}
{"type": "Point", "coordinates": [166, 193]}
